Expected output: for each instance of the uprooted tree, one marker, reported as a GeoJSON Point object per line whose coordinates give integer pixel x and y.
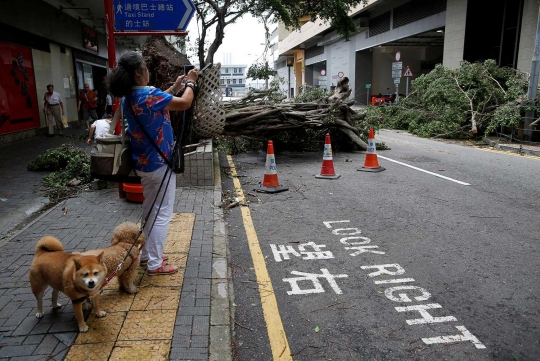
{"type": "Point", "coordinates": [474, 99]}
{"type": "Point", "coordinates": [263, 112]}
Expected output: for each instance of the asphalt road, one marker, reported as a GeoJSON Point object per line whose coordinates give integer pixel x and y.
{"type": "Point", "coordinates": [396, 265]}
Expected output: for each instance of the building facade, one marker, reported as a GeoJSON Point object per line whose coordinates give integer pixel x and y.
{"type": "Point", "coordinates": [423, 32]}
{"type": "Point", "coordinates": [233, 80]}
{"type": "Point", "coordinates": [47, 42]}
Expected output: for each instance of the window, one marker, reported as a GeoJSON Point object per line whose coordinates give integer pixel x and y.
{"type": "Point", "coordinates": [226, 70]}
{"type": "Point", "coordinates": [228, 81]}
{"type": "Point", "coordinates": [221, 81]}
{"type": "Point", "coordinates": [234, 81]}
{"type": "Point", "coordinates": [235, 70]}
{"type": "Point", "coordinates": [239, 81]}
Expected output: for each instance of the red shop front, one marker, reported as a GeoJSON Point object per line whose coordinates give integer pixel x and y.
{"type": "Point", "coordinates": [19, 108]}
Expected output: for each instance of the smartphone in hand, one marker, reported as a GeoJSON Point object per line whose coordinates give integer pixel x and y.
{"type": "Point", "coordinates": [187, 68]}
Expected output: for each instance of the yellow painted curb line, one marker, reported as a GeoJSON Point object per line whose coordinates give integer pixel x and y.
{"type": "Point", "coordinates": [507, 152]}
{"type": "Point", "coordinates": [140, 326]}
{"type": "Point", "coordinates": [274, 325]}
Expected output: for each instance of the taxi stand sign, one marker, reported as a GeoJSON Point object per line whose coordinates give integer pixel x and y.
{"type": "Point", "coordinates": [149, 15]}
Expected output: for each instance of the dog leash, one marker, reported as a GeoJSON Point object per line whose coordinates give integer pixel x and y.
{"type": "Point", "coordinates": [168, 172]}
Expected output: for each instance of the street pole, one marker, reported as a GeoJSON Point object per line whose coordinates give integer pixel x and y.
{"type": "Point", "coordinates": [533, 81]}
{"type": "Point", "coordinates": [407, 88]}
{"type": "Point", "coordinates": [111, 49]}
{"type": "Point", "coordinates": [111, 52]}
{"type": "Point", "coordinates": [367, 100]}
{"type": "Point", "coordinates": [289, 89]}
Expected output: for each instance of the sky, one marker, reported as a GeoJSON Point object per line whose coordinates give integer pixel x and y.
{"type": "Point", "coordinates": [243, 40]}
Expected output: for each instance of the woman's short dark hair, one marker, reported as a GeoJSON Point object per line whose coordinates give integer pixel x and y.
{"type": "Point", "coordinates": [122, 78]}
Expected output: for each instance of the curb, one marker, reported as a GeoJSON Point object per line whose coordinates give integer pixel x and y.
{"type": "Point", "coordinates": [32, 222]}
{"type": "Point", "coordinates": [515, 149]}
{"type": "Point", "coordinates": [222, 296]}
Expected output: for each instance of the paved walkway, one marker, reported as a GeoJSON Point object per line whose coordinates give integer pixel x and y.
{"type": "Point", "coordinates": [181, 317]}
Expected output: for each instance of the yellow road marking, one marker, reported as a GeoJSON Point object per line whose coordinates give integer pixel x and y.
{"type": "Point", "coordinates": [274, 325]}
{"type": "Point", "coordinates": [507, 152]}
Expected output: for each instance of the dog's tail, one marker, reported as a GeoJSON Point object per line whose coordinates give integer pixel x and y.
{"type": "Point", "coordinates": [126, 233]}
{"type": "Point", "coordinates": [48, 244]}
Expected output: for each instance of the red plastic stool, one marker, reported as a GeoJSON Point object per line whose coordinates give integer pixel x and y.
{"type": "Point", "coordinates": [134, 192]}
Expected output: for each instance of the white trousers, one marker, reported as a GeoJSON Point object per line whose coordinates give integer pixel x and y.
{"type": "Point", "coordinates": [156, 231]}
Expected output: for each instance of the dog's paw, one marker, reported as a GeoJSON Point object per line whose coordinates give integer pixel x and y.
{"type": "Point", "coordinates": [57, 306]}
{"type": "Point", "coordinates": [131, 290]}
{"type": "Point", "coordinates": [39, 314]}
{"type": "Point", "coordinates": [83, 328]}
{"type": "Point", "coordinates": [86, 305]}
{"type": "Point", "coordinates": [101, 314]}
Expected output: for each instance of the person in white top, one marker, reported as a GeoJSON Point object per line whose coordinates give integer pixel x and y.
{"type": "Point", "coordinates": [99, 127]}
{"type": "Point", "coordinates": [51, 108]}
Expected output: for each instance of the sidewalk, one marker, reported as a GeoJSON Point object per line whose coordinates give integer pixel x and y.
{"type": "Point", "coordinates": [180, 317]}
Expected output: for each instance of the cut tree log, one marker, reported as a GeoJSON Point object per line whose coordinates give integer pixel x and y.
{"type": "Point", "coordinates": [255, 113]}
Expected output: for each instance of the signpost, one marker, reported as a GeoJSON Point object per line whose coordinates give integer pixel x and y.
{"type": "Point", "coordinates": [149, 15]}
{"type": "Point", "coordinates": [143, 18]}
{"type": "Point", "coordinates": [397, 66]}
{"type": "Point", "coordinates": [408, 74]}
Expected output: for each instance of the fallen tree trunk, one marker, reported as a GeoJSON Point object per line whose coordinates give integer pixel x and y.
{"type": "Point", "coordinates": [253, 114]}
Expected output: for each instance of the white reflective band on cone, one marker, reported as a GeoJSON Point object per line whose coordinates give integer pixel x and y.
{"type": "Point", "coordinates": [327, 152]}
{"type": "Point", "coordinates": [270, 166]}
{"type": "Point", "coordinates": [371, 146]}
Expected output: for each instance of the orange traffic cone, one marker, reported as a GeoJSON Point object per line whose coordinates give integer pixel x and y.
{"type": "Point", "coordinates": [327, 169]}
{"type": "Point", "coordinates": [270, 183]}
{"type": "Point", "coordinates": [371, 164]}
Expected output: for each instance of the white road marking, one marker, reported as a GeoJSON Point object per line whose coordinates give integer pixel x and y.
{"type": "Point", "coordinates": [425, 171]}
{"type": "Point", "coordinates": [397, 280]}
{"type": "Point", "coordinates": [426, 317]}
{"type": "Point", "coordinates": [465, 336]}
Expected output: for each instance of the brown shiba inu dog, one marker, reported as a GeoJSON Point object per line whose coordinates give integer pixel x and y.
{"type": "Point", "coordinates": [79, 277]}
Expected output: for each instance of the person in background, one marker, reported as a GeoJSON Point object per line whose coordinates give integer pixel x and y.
{"type": "Point", "coordinates": [150, 107]}
{"type": "Point", "coordinates": [99, 106]}
{"type": "Point", "coordinates": [87, 102]}
{"type": "Point", "coordinates": [99, 127]}
{"type": "Point", "coordinates": [51, 108]}
{"type": "Point", "coordinates": [108, 104]}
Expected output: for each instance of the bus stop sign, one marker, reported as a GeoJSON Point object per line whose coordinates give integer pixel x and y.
{"type": "Point", "coordinates": [150, 15]}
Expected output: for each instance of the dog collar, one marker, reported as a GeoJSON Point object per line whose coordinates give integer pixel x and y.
{"type": "Point", "coordinates": [80, 300]}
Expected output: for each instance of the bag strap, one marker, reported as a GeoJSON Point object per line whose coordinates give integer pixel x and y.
{"type": "Point", "coordinates": [168, 161]}
{"type": "Point", "coordinates": [177, 143]}
{"type": "Point", "coordinates": [115, 120]}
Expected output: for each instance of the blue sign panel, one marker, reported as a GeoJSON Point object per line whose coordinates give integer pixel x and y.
{"type": "Point", "coordinates": [152, 15]}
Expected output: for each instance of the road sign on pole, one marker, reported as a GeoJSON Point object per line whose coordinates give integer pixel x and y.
{"type": "Point", "coordinates": [396, 73]}
{"type": "Point", "coordinates": [408, 73]}
{"type": "Point", "coordinates": [397, 80]}
{"type": "Point", "coordinates": [150, 15]}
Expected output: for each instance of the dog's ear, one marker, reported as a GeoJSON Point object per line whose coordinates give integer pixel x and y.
{"type": "Point", "coordinates": [77, 264]}
{"type": "Point", "coordinates": [100, 257]}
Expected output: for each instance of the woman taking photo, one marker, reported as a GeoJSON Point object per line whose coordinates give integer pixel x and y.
{"type": "Point", "coordinates": [148, 107]}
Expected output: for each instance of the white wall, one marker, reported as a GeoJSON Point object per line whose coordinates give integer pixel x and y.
{"type": "Point", "coordinates": [454, 33]}
{"type": "Point", "coordinates": [528, 34]}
